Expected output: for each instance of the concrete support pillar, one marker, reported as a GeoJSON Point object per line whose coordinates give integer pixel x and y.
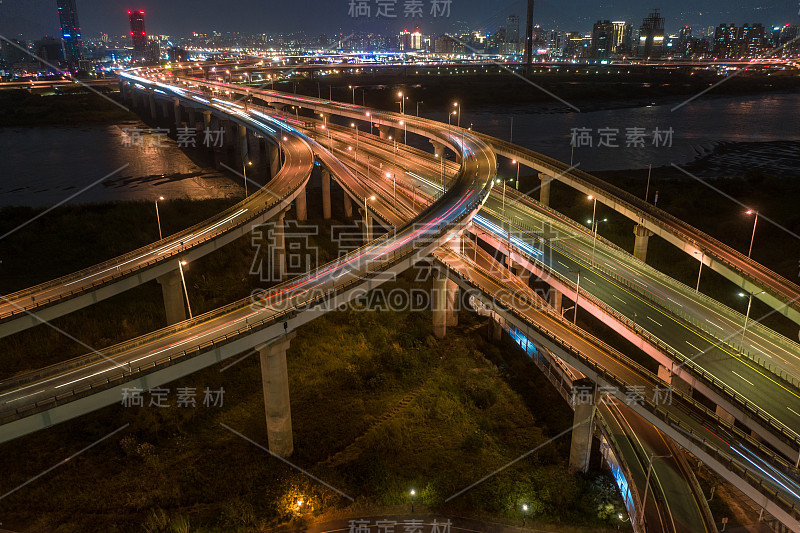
{"type": "Point", "coordinates": [275, 380]}
{"type": "Point", "coordinates": [176, 104]}
{"type": "Point", "coordinates": [206, 120]}
{"type": "Point", "coordinates": [172, 291]}
{"type": "Point", "coordinates": [521, 272]}
{"type": "Point", "coordinates": [640, 246]}
{"type": "Point", "coordinates": [326, 194]}
{"type": "Point", "coordinates": [192, 112]}
{"type": "Point", "coordinates": [555, 297]}
{"type": "Point", "coordinates": [439, 302]}
{"type": "Point", "coordinates": [301, 207]}
{"type": "Point", "coordinates": [279, 252]}
{"type": "Point", "coordinates": [383, 132]}
{"type": "Point", "coordinates": [495, 333]}
{"type": "Point", "coordinates": [274, 159]}
{"type": "Point", "coordinates": [544, 190]}
{"type": "Point", "coordinates": [240, 146]}
{"type": "Point", "coordinates": [348, 207]}
{"type": "Point", "coordinates": [725, 415]}
{"type": "Point", "coordinates": [152, 98]}
{"type": "Point", "coordinates": [674, 381]}
{"type": "Point", "coordinates": [165, 111]}
{"type": "Point", "coordinates": [451, 316]}
{"type": "Point", "coordinates": [438, 148]}
{"type": "Point", "coordinates": [398, 135]}
{"type": "Point", "coordinates": [583, 424]}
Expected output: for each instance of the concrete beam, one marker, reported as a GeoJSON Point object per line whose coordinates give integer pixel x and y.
{"type": "Point", "coordinates": [348, 206]}
{"type": "Point", "coordinates": [172, 291]}
{"type": "Point", "coordinates": [438, 148]}
{"type": "Point", "coordinates": [275, 380]}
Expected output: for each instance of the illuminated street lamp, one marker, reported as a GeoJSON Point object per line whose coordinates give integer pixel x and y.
{"type": "Point", "coordinates": [402, 103]}
{"type": "Point", "coordinates": [747, 315]}
{"type": "Point", "coordinates": [517, 182]}
{"type": "Point", "coordinates": [354, 93]}
{"type": "Point", "coordinates": [394, 186]}
{"type": "Point", "coordinates": [244, 173]}
{"type": "Point", "coordinates": [455, 104]}
{"type": "Point", "coordinates": [158, 218]}
{"type": "Point", "coordinates": [412, 493]}
{"type": "Point", "coordinates": [181, 264]}
{"type": "Point", "coordinates": [354, 125]}
{"type": "Point", "coordinates": [524, 513]}
{"type": "Point", "coordinates": [755, 221]}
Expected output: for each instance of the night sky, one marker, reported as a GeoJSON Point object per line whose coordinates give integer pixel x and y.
{"type": "Point", "coordinates": [35, 18]}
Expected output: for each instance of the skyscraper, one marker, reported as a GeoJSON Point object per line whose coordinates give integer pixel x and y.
{"type": "Point", "coordinates": [619, 35]}
{"type": "Point", "coordinates": [512, 34]}
{"type": "Point", "coordinates": [138, 35]}
{"type": "Point", "coordinates": [70, 32]}
{"type": "Point", "coordinates": [651, 36]}
{"type": "Point", "coordinates": [602, 39]}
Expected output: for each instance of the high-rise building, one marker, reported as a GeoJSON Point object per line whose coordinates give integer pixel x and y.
{"type": "Point", "coordinates": [619, 35]}
{"type": "Point", "coordinates": [512, 34]}
{"type": "Point", "coordinates": [726, 44]}
{"type": "Point", "coordinates": [70, 32]}
{"type": "Point", "coordinates": [602, 39]}
{"type": "Point", "coordinates": [416, 39]}
{"type": "Point", "coordinates": [404, 40]}
{"type": "Point", "coordinates": [651, 36]}
{"type": "Point", "coordinates": [138, 35]}
{"type": "Point", "coordinates": [751, 40]}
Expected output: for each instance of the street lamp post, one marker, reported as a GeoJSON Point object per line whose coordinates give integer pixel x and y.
{"type": "Point", "coordinates": [354, 125]}
{"type": "Point", "coordinates": [158, 218]}
{"type": "Point", "coordinates": [245, 164]}
{"type": "Point", "coordinates": [594, 225]}
{"type": "Point", "coordinates": [354, 93]}
{"type": "Point", "coordinates": [647, 483]}
{"type": "Point", "coordinates": [700, 272]}
{"type": "Point", "coordinates": [752, 238]}
{"type": "Point", "coordinates": [442, 174]}
{"type": "Point", "coordinates": [402, 103]}
{"type": "Point", "coordinates": [455, 104]}
{"type": "Point", "coordinates": [747, 315]}
{"type": "Point", "coordinates": [412, 493]}
{"type": "Point", "coordinates": [181, 264]}
{"type": "Point", "coordinates": [577, 295]}
{"type": "Point", "coordinates": [524, 513]}
{"type": "Point", "coordinates": [504, 196]}
{"type": "Point", "coordinates": [517, 182]}
{"type": "Point", "coordinates": [394, 187]}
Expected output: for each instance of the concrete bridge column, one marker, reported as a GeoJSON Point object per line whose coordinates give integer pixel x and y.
{"type": "Point", "coordinates": [279, 251]}
{"type": "Point", "coordinates": [326, 194]}
{"type": "Point", "coordinates": [495, 333]}
{"type": "Point", "coordinates": [383, 132]}
{"type": "Point", "coordinates": [206, 120]}
{"type": "Point", "coordinates": [275, 380]}
{"type": "Point", "coordinates": [439, 302]}
{"type": "Point", "coordinates": [240, 145]}
{"type": "Point", "coordinates": [725, 415]}
{"type": "Point", "coordinates": [438, 148]}
{"type": "Point", "coordinates": [152, 98]}
{"type": "Point", "coordinates": [192, 112]}
{"type": "Point", "coordinates": [674, 381]}
{"type": "Point", "coordinates": [348, 206]}
{"type": "Point", "coordinates": [178, 115]}
{"type": "Point", "coordinates": [583, 425]}
{"type": "Point", "coordinates": [301, 205]}
{"type": "Point", "coordinates": [544, 190]}
{"type": "Point", "coordinates": [274, 159]}
{"type": "Point", "coordinates": [521, 272]}
{"type": "Point", "coordinates": [164, 111]}
{"type": "Point", "coordinates": [398, 135]}
{"type": "Point", "coordinates": [123, 91]}
{"type": "Point", "coordinates": [554, 296]}
{"type": "Point", "coordinates": [640, 245]}
{"type": "Point", "coordinates": [172, 291]}
{"type": "Point", "coordinates": [451, 317]}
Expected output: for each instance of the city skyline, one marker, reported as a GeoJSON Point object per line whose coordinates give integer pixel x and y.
{"type": "Point", "coordinates": [39, 17]}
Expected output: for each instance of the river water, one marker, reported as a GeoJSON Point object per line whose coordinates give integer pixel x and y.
{"type": "Point", "coordinates": [43, 166]}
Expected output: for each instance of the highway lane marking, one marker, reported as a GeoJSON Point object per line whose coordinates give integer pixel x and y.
{"type": "Point", "coordinates": [743, 378]}
{"type": "Point", "coordinates": [590, 281]}
{"type": "Point", "coordinates": [713, 324]}
{"type": "Point", "coordinates": [620, 299]}
{"type": "Point", "coordinates": [562, 264]}
{"type": "Point", "coordinates": [659, 325]}
{"type": "Point", "coordinates": [26, 396]}
{"type": "Point", "coordinates": [693, 346]}
{"type": "Point", "coordinates": [792, 410]}
{"type": "Point", "coordinates": [671, 300]}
